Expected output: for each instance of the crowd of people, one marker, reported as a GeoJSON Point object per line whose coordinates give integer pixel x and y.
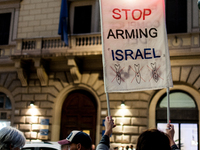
{"type": "Point", "coordinates": [151, 139]}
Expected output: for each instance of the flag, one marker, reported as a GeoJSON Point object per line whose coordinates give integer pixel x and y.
{"type": "Point", "coordinates": [63, 23]}
{"type": "Point", "coordinates": [135, 49]}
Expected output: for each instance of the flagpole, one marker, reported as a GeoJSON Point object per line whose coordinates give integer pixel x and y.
{"type": "Point", "coordinates": [168, 106]}
{"type": "Point", "coordinates": [108, 104]}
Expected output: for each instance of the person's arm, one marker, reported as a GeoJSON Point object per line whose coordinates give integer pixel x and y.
{"type": "Point", "coordinates": [104, 144]}
{"type": "Point", "coordinates": [170, 131]}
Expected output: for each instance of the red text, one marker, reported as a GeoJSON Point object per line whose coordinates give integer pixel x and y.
{"type": "Point", "coordinates": [136, 14]}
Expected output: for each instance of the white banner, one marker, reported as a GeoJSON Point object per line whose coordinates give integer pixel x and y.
{"type": "Point", "coordinates": [135, 48]}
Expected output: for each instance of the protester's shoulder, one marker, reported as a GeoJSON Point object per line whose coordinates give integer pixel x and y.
{"type": "Point", "coordinates": [102, 147]}
{"type": "Point", "coordinates": [174, 147]}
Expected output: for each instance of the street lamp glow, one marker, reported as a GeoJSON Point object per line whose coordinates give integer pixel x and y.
{"type": "Point", "coordinates": [32, 103]}
{"type": "Point", "coordinates": [122, 104]}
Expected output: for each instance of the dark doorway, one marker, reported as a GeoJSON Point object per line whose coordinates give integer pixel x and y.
{"type": "Point", "coordinates": [79, 112]}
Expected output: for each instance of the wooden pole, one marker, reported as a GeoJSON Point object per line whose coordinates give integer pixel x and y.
{"type": "Point", "coordinates": [108, 104]}
{"type": "Point", "coordinates": [168, 106]}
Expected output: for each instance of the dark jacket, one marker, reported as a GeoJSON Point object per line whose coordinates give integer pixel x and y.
{"type": "Point", "coordinates": [104, 144]}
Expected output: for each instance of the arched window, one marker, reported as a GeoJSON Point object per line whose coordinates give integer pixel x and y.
{"type": "Point", "coordinates": [184, 116]}
{"type": "Point", "coordinates": [5, 101]}
{"type": "Point", "coordinates": [5, 110]}
{"type": "Point", "coordinates": [178, 100]}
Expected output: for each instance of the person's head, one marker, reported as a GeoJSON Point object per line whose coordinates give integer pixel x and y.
{"type": "Point", "coordinates": [93, 147]}
{"type": "Point", "coordinates": [131, 146]}
{"type": "Point", "coordinates": [77, 140]}
{"type": "Point", "coordinates": [11, 139]}
{"type": "Point", "coordinates": [153, 139]}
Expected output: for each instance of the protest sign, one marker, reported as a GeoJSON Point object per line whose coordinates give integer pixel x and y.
{"type": "Point", "coordinates": [135, 48]}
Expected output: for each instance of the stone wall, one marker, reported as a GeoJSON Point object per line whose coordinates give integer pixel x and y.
{"type": "Point", "coordinates": [38, 18]}
{"type": "Point", "coordinates": [130, 120]}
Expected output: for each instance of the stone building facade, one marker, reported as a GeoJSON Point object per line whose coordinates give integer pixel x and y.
{"type": "Point", "coordinates": [35, 65]}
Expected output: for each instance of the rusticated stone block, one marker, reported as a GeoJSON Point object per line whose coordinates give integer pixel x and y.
{"type": "Point", "coordinates": [93, 78]}
{"type": "Point", "coordinates": [40, 96]}
{"type": "Point", "coordinates": [15, 83]}
{"type": "Point", "coordinates": [3, 77]}
{"type": "Point", "coordinates": [50, 90]}
{"type": "Point", "coordinates": [35, 126]}
{"type": "Point", "coordinates": [142, 129]}
{"type": "Point", "coordinates": [18, 97]}
{"type": "Point", "coordinates": [130, 129]}
{"type": "Point", "coordinates": [32, 119]}
{"type": "Point", "coordinates": [144, 96]}
{"type": "Point", "coordinates": [143, 112]}
{"type": "Point", "coordinates": [50, 98]}
{"type": "Point", "coordinates": [184, 73]}
{"type": "Point", "coordinates": [19, 119]}
{"type": "Point", "coordinates": [116, 96]}
{"type": "Point", "coordinates": [20, 104]}
{"type": "Point", "coordinates": [46, 104]}
{"type": "Point", "coordinates": [11, 77]}
{"type": "Point", "coordinates": [124, 121]}
{"type": "Point", "coordinates": [125, 112]}
{"type": "Point", "coordinates": [114, 104]}
{"type": "Point", "coordinates": [27, 134]}
{"type": "Point", "coordinates": [49, 112]}
{"type": "Point", "coordinates": [34, 90]}
{"type": "Point", "coordinates": [20, 90]}
{"type": "Point", "coordinates": [41, 5]}
{"type": "Point", "coordinates": [131, 96]}
{"type": "Point", "coordinates": [175, 73]}
{"type": "Point", "coordinates": [103, 112]}
{"type": "Point", "coordinates": [28, 97]}
{"type": "Point", "coordinates": [134, 139]}
{"type": "Point", "coordinates": [25, 127]}
{"type": "Point", "coordinates": [33, 111]}
{"type": "Point", "coordinates": [122, 138]}
{"type": "Point", "coordinates": [85, 78]}
{"type": "Point", "coordinates": [101, 90]}
{"type": "Point", "coordinates": [103, 104]}
{"type": "Point", "coordinates": [117, 129]}
{"type": "Point", "coordinates": [194, 74]}
{"type": "Point", "coordinates": [34, 135]}
{"type": "Point", "coordinates": [57, 84]}
{"type": "Point", "coordinates": [112, 138]}
{"type": "Point", "coordinates": [17, 112]}
{"type": "Point", "coordinates": [126, 138]}
{"type": "Point", "coordinates": [137, 104]}
{"type": "Point", "coordinates": [197, 84]}
{"type": "Point", "coordinates": [139, 121]}
{"type": "Point", "coordinates": [102, 97]}
{"type": "Point", "coordinates": [97, 84]}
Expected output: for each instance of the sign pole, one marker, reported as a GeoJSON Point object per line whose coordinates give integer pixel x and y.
{"type": "Point", "coordinates": [168, 106]}
{"type": "Point", "coordinates": [108, 104]}
{"type": "Point", "coordinates": [107, 96]}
